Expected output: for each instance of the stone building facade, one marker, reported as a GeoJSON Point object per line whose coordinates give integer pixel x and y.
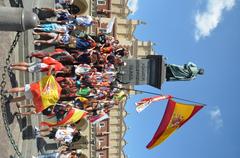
{"type": "Point", "coordinates": [106, 139]}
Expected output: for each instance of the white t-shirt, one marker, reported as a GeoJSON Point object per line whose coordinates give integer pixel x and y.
{"type": "Point", "coordinates": [84, 20]}
{"type": "Point", "coordinates": [65, 134]}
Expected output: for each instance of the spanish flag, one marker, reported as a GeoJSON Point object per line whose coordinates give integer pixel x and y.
{"type": "Point", "coordinates": [72, 116]}
{"type": "Point", "coordinates": [46, 92]}
{"type": "Point", "coordinates": [176, 114]}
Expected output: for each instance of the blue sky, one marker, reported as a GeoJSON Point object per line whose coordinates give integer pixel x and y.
{"type": "Point", "coordinates": [207, 33]}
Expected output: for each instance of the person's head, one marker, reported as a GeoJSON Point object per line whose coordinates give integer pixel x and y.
{"type": "Point", "coordinates": [126, 53]}
{"type": "Point", "coordinates": [116, 102]}
{"type": "Point", "coordinates": [115, 42]}
{"type": "Point", "coordinates": [66, 70]}
{"type": "Point", "coordinates": [95, 22]}
{"type": "Point", "coordinates": [78, 104]}
{"type": "Point", "coordinates": [70, 2]}
{"type": "Point", "coordinates": [76, 123]}
{"type": "Point", "coordinates": [48, 111]}
{"type": "Point", "coordinates": [73, 154]}
{"type": "Point", "coordinates": [71, 27]}
{"type": "Point", "coordinates": [201, 71]}
{"type": "Point", "coordinates": [74, 9]}
{"type": "Point", "coordinates": [68, 107]}
{"type": "Point", "coordinates": [93, 91]}
{"type": "Point", "coordinates": [76, 136]}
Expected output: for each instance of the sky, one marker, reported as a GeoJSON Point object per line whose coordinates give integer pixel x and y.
{"type": "Point", "coordinates": [206, 32]}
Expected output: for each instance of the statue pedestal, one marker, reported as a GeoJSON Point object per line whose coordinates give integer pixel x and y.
{"type": "Point", "coordinates": [150, 70]}
{"type": "Point", "coordinates": [157, 70]}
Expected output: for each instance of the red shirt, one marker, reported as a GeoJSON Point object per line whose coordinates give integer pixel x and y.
{"type": "Point", "coordinates": [52, 62]}
{"type": "Point", "coordinates": [107, 50]}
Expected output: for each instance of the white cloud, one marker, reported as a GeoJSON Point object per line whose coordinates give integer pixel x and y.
{"type": "Point", "coordinates": [216, 117]}
{"type": "Point", "coordinates": [133, 5]}
{"type": "Point", "coordinates": [208, 20]}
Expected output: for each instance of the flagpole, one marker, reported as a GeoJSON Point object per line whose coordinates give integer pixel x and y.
{"type": "Point", "coordinates": [190, 101]}
{"type": "Point", "coordinates": [129, 89]}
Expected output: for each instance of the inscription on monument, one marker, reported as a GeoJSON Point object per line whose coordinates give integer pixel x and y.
{"type": "Point", "coordinates": [136, 71]}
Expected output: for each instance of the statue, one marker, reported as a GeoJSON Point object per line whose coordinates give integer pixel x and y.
{"type": "Point", "coordinates": [186, 72]}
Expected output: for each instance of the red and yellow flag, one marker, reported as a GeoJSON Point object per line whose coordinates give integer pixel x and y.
{"type": "Point", "coordinates": [46, 92]}
{"type": "Point", "coordinates": [72, 116]}
{"type": "Point", "coordinates": [176, 114]}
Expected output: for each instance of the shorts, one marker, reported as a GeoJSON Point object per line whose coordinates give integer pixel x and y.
{"type": "Point", "coordinates": [49, 155]}
{"type": "Point", "coordinates": [27, 92]}
{"type": "Point", "coordinates": [36, 67]}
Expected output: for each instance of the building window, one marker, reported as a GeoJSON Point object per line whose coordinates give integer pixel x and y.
{"type": "Point", "coordinates": [101, 124]}
{"type": "Point", "coordinates": [100, 155]}
{"type": "Point", "coordinates": [100, 141]}
{"type": "Point", "coordinates": [102, 30]}
{"type": "Point", "coordinates": [101, 2]}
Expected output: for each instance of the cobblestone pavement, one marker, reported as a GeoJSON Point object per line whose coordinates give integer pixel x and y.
{"type": "Point", "coordinates": [6, 149]}
{"type": "Point", "coordinates": [21, 128]}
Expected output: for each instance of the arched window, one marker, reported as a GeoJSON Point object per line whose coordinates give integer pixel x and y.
{"type": "Point", "coordinates": [101, 2]}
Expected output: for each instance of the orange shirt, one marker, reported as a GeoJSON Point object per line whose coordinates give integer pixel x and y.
{"type": "Point", "coordinates": [50, 61]}
{"type": "Point", "coordinates": [106, 50]}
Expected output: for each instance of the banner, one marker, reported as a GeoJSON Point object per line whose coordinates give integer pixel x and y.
{"type": "Point", "coordinates": [144, 103]}
{"type": "Point", "coordinates": [110, 25]}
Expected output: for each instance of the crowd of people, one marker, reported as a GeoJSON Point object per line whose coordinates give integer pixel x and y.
{"type": "Point", "coordinates": [86, 67]}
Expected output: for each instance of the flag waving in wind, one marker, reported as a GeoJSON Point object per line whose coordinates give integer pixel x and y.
{"type": "Point", "coordinates": [71, 117]}
{"type": "Point", "coordinates": [46, 92]}
{"type": "Point", "coordinates": [176, 114]}
{"type": "Point", "coordinates": [145, 102]}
